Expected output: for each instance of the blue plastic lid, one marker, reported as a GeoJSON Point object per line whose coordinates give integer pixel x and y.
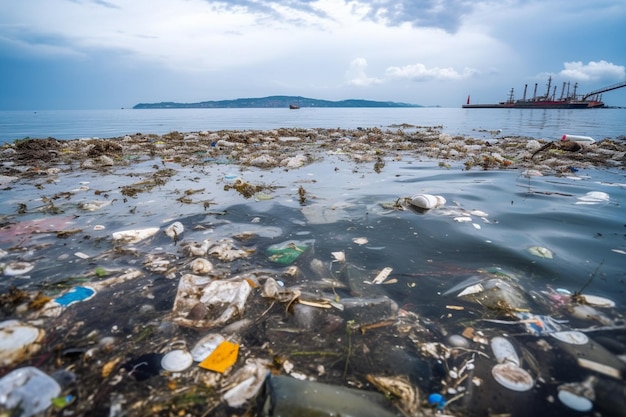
{"type": "Point", "coordinates": [75, 295]}
{"type": "Point", "coordinates": [437, 399]}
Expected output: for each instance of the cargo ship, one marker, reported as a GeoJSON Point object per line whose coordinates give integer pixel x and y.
{"type": "Point", "coordinates": [549, 100]}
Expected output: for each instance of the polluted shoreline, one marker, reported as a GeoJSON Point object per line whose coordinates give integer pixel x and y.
{"type": "Point", "coordinates": [221, 273]}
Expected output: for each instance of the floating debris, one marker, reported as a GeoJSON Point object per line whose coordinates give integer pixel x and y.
{"type": "Point", "coordinates": [400, 389]}
{"type": "Point", "coordinates": [287, 252]}
{"type": "Point", "coordinates": [18, 268]}
{"type": "Point", "coordinates": [18, 341]}
{"type": "Point", "coordinates": [541, 252]}
{"type": "Point", "coordinates": [205, 346]}
{"type": "Point", "coordinates": [574, 401]}
{"type": "Point", "coordinates": [437, 400]}
{"type": "Point", "coordinates": [427, 201]}
{"type": "Point", "coordinates": [174, 230]}
{"type": "Point", "coordinates": [135, 235]}
{"type": "Point", "coordinates": [201, 266]}
{"type": "Point", "coordinates": [508, 372]}
{"type": "Point", "coordinates": [226, 250]}
{"type": "Point", "coordinates": [27, 391]}
{"type": "Point", "coordinates": [462, 219]}
{"type": "Point", "coordinates": [504, 351]}
{"type": "Point", "coordinates": [93, 205]}
{"type": "Point", "coordinates": [472, 289]}
{"type": "Point", "coordinates": [588, 312]}
{"type": "Point", "coordinates": [246, 383]}
{"type": "Point", "coordinates": [176, 360]}
{"type": "Point", "coordinates": [339, 256]}
{"type": "Point", "coordinates": [202, 302]}
{"type": "Point", "coordinates": [382, 275]}
{"type": "Point", "coordinates": [582, 140]}
{"type": "Point", "coordinates": [578, 396]}
{"type": "Point", "coordinates": [223, 357]}
{"type": "Point", "coordinates": [571, 337]}
{"type": "Point", "coordinates": [75, 295]}
{"type": "Point", "coordinates": [288, 396]}
{"type": "Point", "coordinates": [596, 300]}
{"type": "Point", "coordinates": [512, 377]}
{"type": "Point", "coordinates": [539, 325]}
{"type": "Point", "coordinates": [593, 197]}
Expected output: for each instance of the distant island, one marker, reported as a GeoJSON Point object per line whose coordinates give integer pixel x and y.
{"type": "Point", "coordinates": [271, 102]}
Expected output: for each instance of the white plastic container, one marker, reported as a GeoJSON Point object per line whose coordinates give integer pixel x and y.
{"type": "Point", "coordinates": [18, 341]}
{"type": "Point", "coordinates": [504, 351]}
{"type": "Point", "coordinates": [30, 389]}
{"type": "Point", "coordinates": [427, 201]}
{"type": "Point", "coordinates": [583, 140]}
{"type": "Point", "coordinates": [176, 360]}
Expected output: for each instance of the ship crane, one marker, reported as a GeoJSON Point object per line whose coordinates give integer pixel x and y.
{"type": "Point", "coordinates": [590, 100]}
{"type": "Point", "coordinates": [604, 90]}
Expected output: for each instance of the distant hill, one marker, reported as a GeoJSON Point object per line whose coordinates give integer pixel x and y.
{"type": "Point", "coordinates": [271, 102]}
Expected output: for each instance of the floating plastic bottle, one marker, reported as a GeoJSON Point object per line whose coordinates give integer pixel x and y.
{"type": "Point", "coordinates": [427, 201]}
{"type": "Point", "coordinates": [508, 372]}
{"type": "Point", "coordinates": [583, 140]}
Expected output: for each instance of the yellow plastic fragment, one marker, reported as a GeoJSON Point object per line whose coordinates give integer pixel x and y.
{"type": "Point", "coordinates": [108, 367]}
{"type": "Point", "coordinates": [223, 357]}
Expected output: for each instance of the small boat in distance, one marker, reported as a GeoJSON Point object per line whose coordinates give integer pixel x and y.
{"type": "Point", "coordinates": [294, 106]}
{"type": "Point", "coordinates": [549, 100]}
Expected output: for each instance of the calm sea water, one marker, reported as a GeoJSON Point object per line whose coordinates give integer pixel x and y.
{"type": "Point", "coordinates": [547, 124]}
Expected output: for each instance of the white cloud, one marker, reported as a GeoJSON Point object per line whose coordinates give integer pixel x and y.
{"type": "Point", "coordinates": [419, 72]}
{"type": "Point", "coordinates": [356, 75]}
{"type": "Point", "coordinates": [221, 49]}
{"type": "Point", "coordinates": [593, 71]}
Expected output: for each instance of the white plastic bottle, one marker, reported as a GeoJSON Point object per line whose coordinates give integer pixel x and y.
{"type": "Point", "coordinates": [583, 140]}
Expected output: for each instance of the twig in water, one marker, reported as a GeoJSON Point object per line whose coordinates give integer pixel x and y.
{"type": "Point", "coordinates": [577, 297]}
{"type": "Point", "coordinates": [349, 332]}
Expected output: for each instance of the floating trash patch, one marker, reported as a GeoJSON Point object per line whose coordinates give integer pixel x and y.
{"type": "Point", "coordinates": [308, 296]}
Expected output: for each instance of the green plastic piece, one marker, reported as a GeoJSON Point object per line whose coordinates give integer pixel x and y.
{"type": "Point", "coordinates": [285, 254]}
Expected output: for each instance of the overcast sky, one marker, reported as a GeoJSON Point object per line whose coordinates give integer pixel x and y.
{"type": "Point", "coordinates": [98, 54]}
